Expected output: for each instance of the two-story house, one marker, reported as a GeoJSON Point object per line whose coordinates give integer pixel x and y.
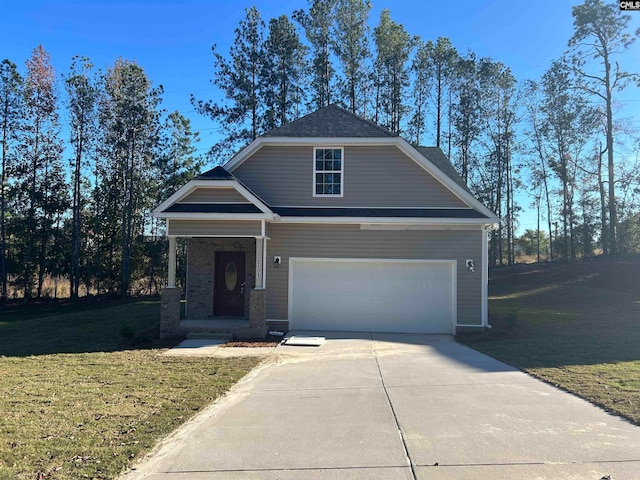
{"type": "Point", "coordinates": [330, 223]}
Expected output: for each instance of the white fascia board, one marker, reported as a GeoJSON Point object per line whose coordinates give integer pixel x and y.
{"type": "Point", "coordinates": [214, 216]}
{"type": "Point", "coordinates": [192, 185]}
{"type": "Point", "coordinates": [388, 220]}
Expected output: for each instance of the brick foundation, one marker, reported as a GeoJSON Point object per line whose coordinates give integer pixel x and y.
{"type": "Point", "coordinates": [258, 311]}
{"type": "Point", "coordinates": [170, 312]}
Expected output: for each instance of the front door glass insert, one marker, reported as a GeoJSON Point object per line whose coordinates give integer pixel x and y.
{"type": "Point", "coordinates": [231, 276]}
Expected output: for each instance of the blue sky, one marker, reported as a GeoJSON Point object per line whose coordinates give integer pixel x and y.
{"type": "Point", "coordinates": [172, 40]}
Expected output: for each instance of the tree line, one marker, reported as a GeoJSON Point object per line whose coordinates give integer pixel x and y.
{"type": "Point", "coordinates": [86, 219]}
{"type": "Point", "coordinates": [555, 138]}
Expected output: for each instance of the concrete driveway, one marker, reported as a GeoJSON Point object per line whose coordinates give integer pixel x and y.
{"type": "Point", "coordinates": [391, 406]}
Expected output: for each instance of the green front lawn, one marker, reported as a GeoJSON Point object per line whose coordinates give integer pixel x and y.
{"type": "Point", "coordinates": [575, 326]}
{"type": "Point", "coordinates": [84, 393]}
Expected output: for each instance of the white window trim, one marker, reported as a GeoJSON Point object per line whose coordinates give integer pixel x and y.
{"type": "Point", "coordinates": [313, 179]}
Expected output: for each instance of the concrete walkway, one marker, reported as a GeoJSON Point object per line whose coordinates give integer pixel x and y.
{"type": "Point", "coordinates": [385, 406]}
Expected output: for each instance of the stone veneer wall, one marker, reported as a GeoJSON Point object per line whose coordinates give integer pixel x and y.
{"type": "Point", "coordinates": [201, 268]}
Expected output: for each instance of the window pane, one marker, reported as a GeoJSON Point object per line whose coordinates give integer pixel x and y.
{"type": "Point", "coordinates": [319, 189]}
{"type": "Point", "coordinates": [328, 178]}
{"type": "Point", "coordinates": [319, 164]}
{"type": "Point", "coordinates": [328, 154]}
{"type": "Point", "coordinates": [336, 178]}
{"type": "Point", "coordinates": [318, 178]}
{"type": "Point", "coordinates": [319, 154]}
{"type": "Point", "coordinates": [336, 165]}
{"type": "Point", "coordinates": [336, 189]}
{"type": "Point", "coordinates": [337, 154]}
{"type": "Point", "coordinates": [327, 165]}
{"type": "Point", "coordinates": [328, 189]}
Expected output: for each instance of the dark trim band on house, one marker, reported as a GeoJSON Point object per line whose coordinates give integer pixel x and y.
{"type": "Point", "coordinates": [212, 208]}
{"type": "Point", "coordinates": [378, 212]}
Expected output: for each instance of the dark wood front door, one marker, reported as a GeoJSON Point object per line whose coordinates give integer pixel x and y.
{"type": "Point", "coordinates": [229, 287]}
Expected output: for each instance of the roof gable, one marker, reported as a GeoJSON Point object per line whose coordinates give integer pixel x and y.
{"type": "Point", "coordinates": [331, 121]}
{"type": "Point", "coordinates": [217, 178]}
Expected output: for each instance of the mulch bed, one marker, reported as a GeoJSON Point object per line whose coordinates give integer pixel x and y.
{"type": "Point", "coordinates": [251, 344]}
{"type": "Point", "coordinates": [270, 341]}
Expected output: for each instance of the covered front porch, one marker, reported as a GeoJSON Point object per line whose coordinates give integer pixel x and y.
{"type": "Point", "coordinates": [225, 288]}
{"type": "Point", "coordinates": [226, 229]}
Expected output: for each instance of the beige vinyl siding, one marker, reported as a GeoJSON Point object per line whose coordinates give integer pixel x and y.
{"type": "Point", "coordinates": [348, 241]}
{"type": "Point", "coordinates": [377, 176]}
{"type": "Point", "coordinates": [214, 195]}
{"type": "Point", "coordinates": [238, 228]}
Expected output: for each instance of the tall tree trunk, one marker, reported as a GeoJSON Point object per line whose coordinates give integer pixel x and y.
{"type": "Point", "coordinates": [3, 232]}
{"type": "Point", "coordinates": [613, 214]}
{"type": "Point", "coordinates": [31, 220]}
{"type": "Point", "coordinates": [45, 234]}
{"type": "Point", "coordinates": [603, 208]}
{"type": "Point", "coordinates": [538, 227]}
{"type": "Point", "coordinates": [450, 134]}
{"type": "Point", "coordinates": [74, 280]}
{"type": "Point", "coordinates": [438, 107]}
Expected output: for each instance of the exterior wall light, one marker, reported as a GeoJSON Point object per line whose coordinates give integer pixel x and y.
{"type": "Point", "coordinates": [277, 261]}
{"type": "Point", "coordinates": [470, 265]}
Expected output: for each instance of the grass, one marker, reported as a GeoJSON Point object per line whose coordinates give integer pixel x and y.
{"type": "Point", "coordinates": [576, 326]}
{"type": "Point", "coordinates": [84, 393]}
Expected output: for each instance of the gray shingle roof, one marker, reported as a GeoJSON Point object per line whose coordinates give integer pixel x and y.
{"type": "Point", "coordinates": [440, 160]}
{"type": "Point", "coordinates": [217, 173]}
{"type": "Point", "coordinates": [331, 121]}
{"type": "Point", "coordinates": [213, 208]}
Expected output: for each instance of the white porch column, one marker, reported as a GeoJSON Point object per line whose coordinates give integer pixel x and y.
{"type": "Point", "coordinates": [259, 262]}
{"type": "Point", "coordinates": [171, 281]}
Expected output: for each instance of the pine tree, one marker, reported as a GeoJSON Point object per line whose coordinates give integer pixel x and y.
{"type": "Point", "coordinates": [11, 105]}
{"type": "Point", "coordinates": [421, 72]}
{"type": "Point", "coordinates": [41, 183]}
{"type": "Point", "coordinates": [567, 125]}
{"type": "Point", "coordinates": [600, 33]}
{"type": "Point", "coordinates": [283, 71]}
{"type": "Point", "coordinates": [238, 78]}
{"type": "Point", "coordinates": [82, 103]}
{"type": "Point", "coordinates": [443, 58]}
{"type": "Point", "coordinates": [351, 46]}
{"type": "Point", "coordinates": [394, 46]}
{"type": "Point", "coordinates": [129, 122]}
{"type": "Point", "coordinates": [317, 24]}
{"type": "Point", "coordinates": [466, 113]}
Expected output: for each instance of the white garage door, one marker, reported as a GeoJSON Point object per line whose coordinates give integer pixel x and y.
{"type": "Point", "coordinates": [409, 296]}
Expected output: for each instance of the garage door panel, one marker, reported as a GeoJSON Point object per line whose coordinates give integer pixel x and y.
{"type": "Point", "coordinates": [372, 295]}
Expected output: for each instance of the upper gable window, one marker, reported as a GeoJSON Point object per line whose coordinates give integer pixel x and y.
{"type": "Point", "coordinates": [328, 172]}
